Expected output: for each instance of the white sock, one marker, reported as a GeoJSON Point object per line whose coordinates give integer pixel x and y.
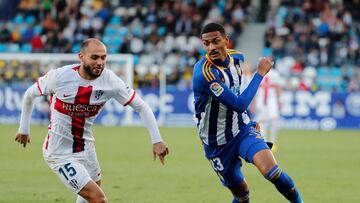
{"type": "Point", "coordinates": [80, 199]}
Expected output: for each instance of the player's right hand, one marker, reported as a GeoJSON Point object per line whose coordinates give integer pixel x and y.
{"type": "Point", "coordinates": [22, 138]}
{"type": "Point", "coordinates": [160, 150]}
{"type": "Point", "coordinates": [265, 64]}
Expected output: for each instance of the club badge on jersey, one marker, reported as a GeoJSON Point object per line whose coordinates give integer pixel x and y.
{"type": "Point", "coordinates": [98, 94]}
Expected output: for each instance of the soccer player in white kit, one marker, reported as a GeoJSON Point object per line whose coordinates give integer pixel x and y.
{"type": "Point", "coordinates": [267, 106]}
{"type": "Point", "coordinates": [78, 93]}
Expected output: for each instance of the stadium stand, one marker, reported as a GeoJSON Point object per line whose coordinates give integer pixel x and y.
{"type": "Point", "coordinates": [318, 42]}
{"type": "Point", "coordinates": [159, 32]}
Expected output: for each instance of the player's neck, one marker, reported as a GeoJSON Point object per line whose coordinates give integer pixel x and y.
{"type": "Point", "coordinates": [222, 62]}
{"type": "Point", "coordinates": [85, 75]}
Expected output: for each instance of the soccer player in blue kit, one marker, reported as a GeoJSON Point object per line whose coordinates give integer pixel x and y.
{"type": "Point", "coordinates": [226, 131]}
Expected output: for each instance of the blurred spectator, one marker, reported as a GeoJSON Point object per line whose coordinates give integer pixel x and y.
{"type": "Point", "coordinates": [37, 44]}
{"type": "Point", "coordinates": [49, 24]}
{"type": "Point", "coordinates": [28, 34]}
{"type": "Point", "coordinates": [5, 34]}
{"type": "Point", "coordinates": [15, 35]}
{"type": "Point", "coordinates": [320, 34]}
{"type": "Point", "coordinates": [303, 36]}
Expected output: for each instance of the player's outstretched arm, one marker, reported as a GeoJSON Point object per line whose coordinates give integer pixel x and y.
{"type": "Point", "coordinates": [23, 136]}
{"type": "Point", "coordinates": [160, 149]}
{"type": "Point", "coordinates": [240, 103]}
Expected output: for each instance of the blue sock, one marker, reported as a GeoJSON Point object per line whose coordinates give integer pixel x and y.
{"type": "Point", "coordinates": [284, 184]}
{"type": "Point", "coordinates": [243, 199]}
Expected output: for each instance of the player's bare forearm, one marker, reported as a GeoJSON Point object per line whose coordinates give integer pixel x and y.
{"type": "Point", "coordinates": [22, 138]}
{"type": "Point", "coordinates": [160, 150]}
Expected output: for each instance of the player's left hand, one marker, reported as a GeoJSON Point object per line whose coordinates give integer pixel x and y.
{"type": "Point", "coordinates": [160, 150]}
{"type": "Point", "coordinates": [22, 138]}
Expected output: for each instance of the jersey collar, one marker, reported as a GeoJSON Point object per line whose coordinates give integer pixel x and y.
{"type": "Point", "coordinates": [221, 65]}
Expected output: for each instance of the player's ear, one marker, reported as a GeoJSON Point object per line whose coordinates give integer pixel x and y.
{"type": "Point", "coordinates": [80, 55]}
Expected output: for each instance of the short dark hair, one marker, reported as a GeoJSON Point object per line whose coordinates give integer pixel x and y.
{"type": "Point", "coordinates": [212, 27]}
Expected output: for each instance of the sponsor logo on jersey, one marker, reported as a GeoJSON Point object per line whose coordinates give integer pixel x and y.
{"type": "Point", "coordinates": [216, 88]}
{"type": "Point", "coordinates": [79, 107]}
{"type": "Point", "coordinates": [83, 110]}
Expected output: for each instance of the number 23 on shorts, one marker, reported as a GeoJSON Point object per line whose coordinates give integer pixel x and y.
{"type": "Point", "coordinates": [216, 164]}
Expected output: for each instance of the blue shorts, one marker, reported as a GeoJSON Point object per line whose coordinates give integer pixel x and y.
{"type": "Point", "coordinates": [226, 159]}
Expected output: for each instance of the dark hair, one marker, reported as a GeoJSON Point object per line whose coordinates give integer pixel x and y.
{"type": "Point", "coordinates": [213, 27]}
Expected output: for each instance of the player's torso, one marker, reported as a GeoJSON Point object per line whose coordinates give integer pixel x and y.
{"type": "Point", "coordinates": [217, 124]}
{"type": "Point", "coordinates": [75, 104]}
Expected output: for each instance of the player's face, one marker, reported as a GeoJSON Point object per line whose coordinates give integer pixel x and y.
{"type": "Point", "coordinates": [93, 60]}
{"type": "Point", "coordinates": [215, 44]}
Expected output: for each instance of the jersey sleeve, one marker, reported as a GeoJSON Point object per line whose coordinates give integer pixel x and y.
{"type": "Point", "coordinates": [121, 91]}
{"type": "Point", "coordinates": [46, 84]}
{"type": "Point", "coordinates": [210, 84]}
{"type": "Point", "coordinates": [148, 118]}
{"type": "Point", "coordinates": [27, 107]}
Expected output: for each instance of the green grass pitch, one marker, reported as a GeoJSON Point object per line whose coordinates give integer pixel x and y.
{"type": "Point", "coordinates": [324, 165]}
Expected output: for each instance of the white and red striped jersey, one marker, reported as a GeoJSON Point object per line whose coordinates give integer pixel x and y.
{"type": "Point", "coordinates": [75, 103]}
{"type": "Point", "coordinates": [267, 97]}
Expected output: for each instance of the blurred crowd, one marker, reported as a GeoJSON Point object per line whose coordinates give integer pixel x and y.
{"type": "Point", "coordinates": [158, 33]}
{"type": "Point", "coordinates": [316, 44]}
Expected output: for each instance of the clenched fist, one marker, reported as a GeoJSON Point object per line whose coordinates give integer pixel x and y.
{"type": "Point", "coordinates": [265, 64]}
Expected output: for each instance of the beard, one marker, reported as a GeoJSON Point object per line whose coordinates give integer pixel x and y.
{"type": "Point", "coordinates": [89, 70]}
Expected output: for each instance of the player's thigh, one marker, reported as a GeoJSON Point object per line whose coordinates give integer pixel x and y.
{"type": "Point", "coordinates": [92, 192]}
{"type": "Point", "coordinates": [72, 174]}
{"type": "Point", "coordinates": [264, 161]}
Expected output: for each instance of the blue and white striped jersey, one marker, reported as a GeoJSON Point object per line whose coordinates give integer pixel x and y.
{"type": "Point", "coordinates": [220, 111]}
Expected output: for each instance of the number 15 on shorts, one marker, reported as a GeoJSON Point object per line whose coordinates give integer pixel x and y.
{"type": "Point", "coordinates": [67, 170]}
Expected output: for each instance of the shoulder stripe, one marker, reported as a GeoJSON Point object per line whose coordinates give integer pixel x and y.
{"type": "Point", "coordinates": [204, 71]}
{"type": "Point", "coordinates": [208, 69]}
{"type": "Point", "coordinates": [234, 52]}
